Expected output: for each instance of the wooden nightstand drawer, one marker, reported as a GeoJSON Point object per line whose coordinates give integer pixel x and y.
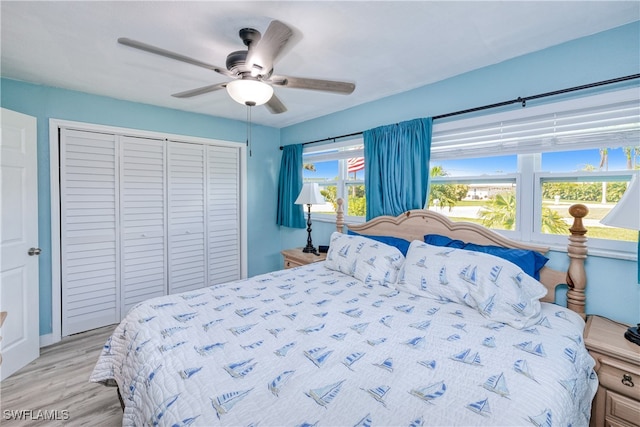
{"type": "Point", "coordinates": [296, 258]}
{"type": "Point", "coordinates": [614, 422]}
{"type": "Point", "coordinates": [621, 408]}
{"type": "Point", "coordinates": [617, 403]}
{"type": "Point", "coordinates": [620, 377]}
{"type": "Point", "coordinates": [288, 263]}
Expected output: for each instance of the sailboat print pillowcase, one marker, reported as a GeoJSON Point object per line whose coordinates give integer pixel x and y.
{"type": "Point", "coordinates": [369, 261]}
{"type": "Point", "coordinates": [497, 288]}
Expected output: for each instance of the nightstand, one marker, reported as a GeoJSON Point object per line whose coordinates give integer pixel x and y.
{"type": "Point", "coordinates": [617, 402]}
{"type": "Point", "coordinates": [295, 257]}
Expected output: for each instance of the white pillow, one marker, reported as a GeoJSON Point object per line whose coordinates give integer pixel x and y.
{"type": "Point", "coordinates": [365, 259]}
{"type": "Point", "coordinates": [497, 288]}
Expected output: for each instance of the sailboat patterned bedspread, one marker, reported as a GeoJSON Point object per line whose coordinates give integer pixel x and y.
{"type": "Point", "coordinates": [313, 346]}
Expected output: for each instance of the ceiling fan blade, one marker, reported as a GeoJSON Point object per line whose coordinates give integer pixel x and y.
{"type": "Point", "coordinates": [263, 54]}
{"type": "Point", "coordinates": [344, 88]}
{"type": "Point", "coordinates": [168, 54]}
{"type": "Point", "coordinates": [199, 91]}
{"type": "Point", "coordinates": [275, 106]}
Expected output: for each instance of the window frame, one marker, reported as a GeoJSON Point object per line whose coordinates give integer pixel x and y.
{"type": "Point", "coordinates": [603, 247]}
{"type": "Point", "coordinates": [529, 177]}
{"type": "Point", "coordinates": [516, 179]}
{"type": "Point", "coordinates": [341, 155]}
{"type": "Point", "coordinates": [528, 180]}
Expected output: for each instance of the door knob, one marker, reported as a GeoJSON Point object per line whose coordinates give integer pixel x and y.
{"type": "Point", "coordinates": [34, 251]}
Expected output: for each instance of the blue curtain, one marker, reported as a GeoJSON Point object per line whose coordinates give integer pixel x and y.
{"type": "Point", "coordinates": [289, 186]}
{"type": "Point", "coordinates": [397, 167]}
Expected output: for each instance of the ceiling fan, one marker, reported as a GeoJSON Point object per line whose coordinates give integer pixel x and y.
{"type": "Point", "coordinates": [251, 69]}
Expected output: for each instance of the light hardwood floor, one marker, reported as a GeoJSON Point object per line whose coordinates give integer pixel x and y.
{"type": "Point", "coordinates": [59, 381]}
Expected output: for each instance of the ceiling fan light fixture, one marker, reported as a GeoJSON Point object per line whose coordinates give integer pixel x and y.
{"type": "Point", "coordinates": [250, 69]}
{"type": "Point", "coordinates": [249, 92]}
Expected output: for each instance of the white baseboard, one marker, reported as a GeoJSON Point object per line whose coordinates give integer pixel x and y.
{"type": "Point", "coordinates": [46, 340]}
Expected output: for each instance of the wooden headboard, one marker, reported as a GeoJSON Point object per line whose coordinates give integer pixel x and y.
{"type": "Point", "coordinates": [414, 224]}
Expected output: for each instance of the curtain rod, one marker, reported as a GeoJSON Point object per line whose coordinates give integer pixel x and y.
{"type": "Point", "coordinates": [521, 100]}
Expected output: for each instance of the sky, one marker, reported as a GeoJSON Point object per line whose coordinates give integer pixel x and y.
{"type": "Point", "coordinates": [561, 161]}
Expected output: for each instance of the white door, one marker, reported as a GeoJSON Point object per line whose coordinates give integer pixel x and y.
{"type": "Point", "coordinates": [90, 248]}
{"type": "Point", "coordinates": [223, 214]}
{"type": "Point", "coordinates": [141, 217]}
{"type": "Point", "coordinates": [142, 220]}
{"type": "Point", "coordinates": [186, 216]}
{"type": "Point", "coordinates": [20, 342]}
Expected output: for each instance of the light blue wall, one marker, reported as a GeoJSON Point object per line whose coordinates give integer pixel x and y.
{"type": "Point", "coordinates": [602, 56]}
{"type": "Point", "coordinates": [45, 102]}
{"type": "Point", "coordinates": [612, 290]}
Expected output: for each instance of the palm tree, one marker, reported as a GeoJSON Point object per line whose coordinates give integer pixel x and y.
{"type": "Point", "coordinates": [552, 222]}
{"type": "Point", "coordinates": [446, 194]}
{"type": "Point", "coordinates": [500, 212]}
{"type": "Point", "coordinates": [604, 162]}
{"type": "Point", "coordinates": [631, 153]}
{"type": "Point", "coordinates": [330, 194]}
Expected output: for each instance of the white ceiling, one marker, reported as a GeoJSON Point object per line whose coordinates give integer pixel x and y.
{"type": "Point", "coordinates": [384, 47]}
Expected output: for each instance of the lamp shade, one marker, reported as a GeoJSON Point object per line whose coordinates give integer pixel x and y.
{"type": "Point", "coordinates": [249, 92]}
{"type": "Point", "coordinates": [626, 213]}
{"type": "Point", "coordinates": [310, 195]}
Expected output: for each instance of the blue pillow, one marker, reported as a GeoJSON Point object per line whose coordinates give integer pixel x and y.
{"type": "Point", "coordinates": [531, 262]}
{"type": "Point", "coordinates": [401, 244]}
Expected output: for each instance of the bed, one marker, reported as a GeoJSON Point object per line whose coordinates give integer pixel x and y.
{"type": "Point", "coordinates": [439, 336]}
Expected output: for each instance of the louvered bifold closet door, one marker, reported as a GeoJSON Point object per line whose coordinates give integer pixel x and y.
{"type": "Point", "coordinates": [142, 220]}
{"type": "Point", "coordinates": [223, 213]}
{"type": "Point", "coordinates": [89, 224]}
{"type": "Point", "coordinates": [186, 208]}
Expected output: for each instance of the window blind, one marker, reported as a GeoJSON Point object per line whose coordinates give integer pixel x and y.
{"type": "Point", "coordinates": [606, 120]}
{"type": "Point", "coordinates": [349, 149]}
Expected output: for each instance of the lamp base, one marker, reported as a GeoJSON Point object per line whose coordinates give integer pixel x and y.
{"type": "Point", "coordinates": [310, 250]}
{"type": "Point", "coordinates": [633, 334]}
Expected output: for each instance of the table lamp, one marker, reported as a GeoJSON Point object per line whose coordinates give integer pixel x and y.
{"type": "Point", "coordinates": [309, 195]}
{"type": "Point", "coordinates": [626, 214]}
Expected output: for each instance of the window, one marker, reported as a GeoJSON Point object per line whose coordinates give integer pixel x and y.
{"type": "Point", "coordinates": [338, 168]}
{"type": "Point", "coordinates": [519, 172]}
{"type": "Point", "coordinates": [596, 177]}
{"type": "Point", "coordinates": [516, 171]}
{"type": "Point", "coordinates": [492, 199]}
{"type": "Point", "coordinates": [470, 189]}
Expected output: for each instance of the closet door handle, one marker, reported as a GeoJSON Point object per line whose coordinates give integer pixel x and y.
{"type": "Point", "coordinates": [34, 251]}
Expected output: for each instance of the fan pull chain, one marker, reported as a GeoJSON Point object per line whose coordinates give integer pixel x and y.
{"type": "Point", "coordinates": [249, 128]}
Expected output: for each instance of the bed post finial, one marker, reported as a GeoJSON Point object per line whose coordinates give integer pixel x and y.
{"type": "Point", "coordinates": [577, 251]}
{"type": "Point", "coordinates": [340, 216]}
